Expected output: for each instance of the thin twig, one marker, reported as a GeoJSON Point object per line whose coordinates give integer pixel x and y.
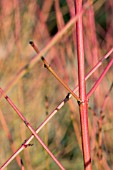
{"type": "Point", "coordinates": [100, 79]}
{"type": "Point", "coordinates": [54, 74]}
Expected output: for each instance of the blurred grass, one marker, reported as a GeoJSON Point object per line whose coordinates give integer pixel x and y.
{"type": "Point", "coordinates": [21, 21]}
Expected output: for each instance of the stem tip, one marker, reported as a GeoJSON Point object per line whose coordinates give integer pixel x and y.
{"type": "Point", "coordinates": [31, 42]}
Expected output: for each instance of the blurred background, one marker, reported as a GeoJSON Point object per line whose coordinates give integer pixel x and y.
{"type": "Point", "coordinates": [37, 93]}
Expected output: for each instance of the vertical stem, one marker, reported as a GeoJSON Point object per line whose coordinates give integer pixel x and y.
{"type": "Point", "coordinates": [82, 89]}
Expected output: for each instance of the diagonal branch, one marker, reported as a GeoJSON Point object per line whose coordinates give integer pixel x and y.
{"type": "Point", "coordinates": [100, 79]}
{"type": "Point", "coordinates": [31, 129]}
{"type": "Point", "coordinates": [53, 72]}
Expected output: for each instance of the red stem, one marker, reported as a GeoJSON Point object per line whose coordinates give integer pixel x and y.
{"type": "Point", "coordinates": [82, 89]}
{"type": "Point", "coordinates": [31, 129]}
{"type": "Point", "coordinates": [100, 79]}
